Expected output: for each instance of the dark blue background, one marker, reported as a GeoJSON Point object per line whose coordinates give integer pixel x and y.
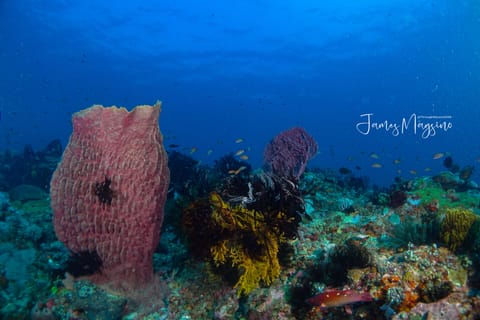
{"type": "Point", "coordinates": [249, 69]}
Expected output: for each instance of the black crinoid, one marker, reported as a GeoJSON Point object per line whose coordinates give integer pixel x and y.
{"type": "Point", "coordinates": [103, 191]}
{"type": "Point", "coordinates": [276, 199]}
{"type": "Point", "coordinates": [84, 263]}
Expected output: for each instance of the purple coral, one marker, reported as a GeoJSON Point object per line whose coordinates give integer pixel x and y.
{"type": "Point", "coordinates": [288, 153]}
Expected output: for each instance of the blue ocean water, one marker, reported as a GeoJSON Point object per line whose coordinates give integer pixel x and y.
{"type": "Point", "coordinates": [251, 69]}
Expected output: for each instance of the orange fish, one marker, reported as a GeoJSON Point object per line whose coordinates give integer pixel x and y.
{"type": "Point", "coordinates": [235, 172]}
{"type": "Point", "coordinates": [244, 157]}
{"type": "Point", "coordinates": [438, 155]}
{"type": "Point", "coordinates": [337, 298]}
{"type": "Point", "coordinates": [241, 169]}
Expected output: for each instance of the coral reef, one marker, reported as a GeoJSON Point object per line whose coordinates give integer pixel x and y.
{"type": "Point", "coordinates": [352, 254]}
{"type": "Point", "coordinates": [417, 230]}
{"type": "Point", "coordinates": [29, 258]}
{"type": "Point", "coordinates": [256, 245]}
{"type": "Point", "coordinates": [239, 238]}
{"type": "Point", "coordinates": [30, 167]}
{"type": "Point", "coordinates": [228, 163]}
{"type": "Point", "coordinates": [397, 198]}
{"type": "Point", "coordinates": [189, 179]}
{"type": "Point", "coordinates": [246, 225]}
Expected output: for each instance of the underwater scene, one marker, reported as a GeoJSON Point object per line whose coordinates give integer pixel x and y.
{"type": "Point", "coordinates": [246, 160]}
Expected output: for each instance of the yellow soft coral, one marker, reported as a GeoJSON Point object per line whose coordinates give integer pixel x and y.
{"type": "Point", "coordinates": [219, 253]}
{"type": "Point", "coordinates": [255, 269]}
{"type": "Point", "coordinates": [455, 226]}
{"type": "Point", "coordinates": [232, 219]}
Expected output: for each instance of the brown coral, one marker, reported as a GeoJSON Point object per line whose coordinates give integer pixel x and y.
{"type": "Point", "coordinates": [455, 226]}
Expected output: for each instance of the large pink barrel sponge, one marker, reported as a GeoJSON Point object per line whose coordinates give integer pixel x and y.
{"type": "Point", "coordinates": [109, 191]}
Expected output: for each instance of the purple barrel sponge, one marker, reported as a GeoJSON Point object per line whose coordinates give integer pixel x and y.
{"type": "Point", "coordinates": [288, 153]}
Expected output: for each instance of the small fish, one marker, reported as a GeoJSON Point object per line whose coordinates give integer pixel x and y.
{"type": "Point", "coordinates": [360, 236]}
{"type": "Point", "coordinates": [239, 140]}
{"type": "Point", "coordinates": [414, 172]}
{"type": "Point", "coordinates": [240, 152]}
{"type": "Point", "coordinates": [241, 169]}
{"type": "Point", "coordinates": [377, 165]}
{"type": "Point", "coordinates": [396, 161]}
{"type": "Point", "coordinates": [209, 152]}
{"type": "Point", "coordinates": [466, 172]}
{"type": "Point", "coordinates": [244, 157]}
{"type": "Point", "coordinates": [373, 155]}
{"type": "Point", "coordinates": [173, 146]}
{"type": "Point", "coordinates": [438, 155]}
{"type": "Point", "coordinates": [193, 150]}
{"type": "Point", "coordinates": [235, 172]}
{"type": "Point", "coordinates": [428, 169]}
{"type": "Point", "coordinates": [337, 298]}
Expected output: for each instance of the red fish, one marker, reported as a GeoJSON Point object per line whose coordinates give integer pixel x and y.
{"type": "Point", "coordinates": [337, 298]}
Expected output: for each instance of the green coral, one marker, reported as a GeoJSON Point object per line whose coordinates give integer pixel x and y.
{"type": "Point", "coordinates": [429, 190]}
{"type": "Point", "coordinates": [456, 225]}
